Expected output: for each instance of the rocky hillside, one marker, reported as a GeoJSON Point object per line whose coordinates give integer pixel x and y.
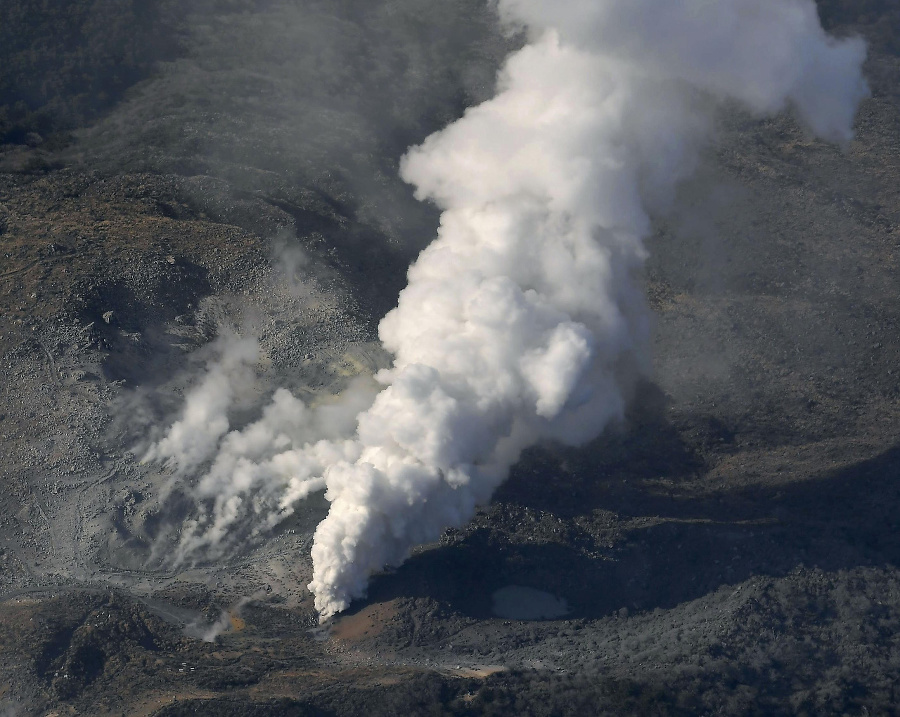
{"type": "Point", "coordinates": [173, 171]}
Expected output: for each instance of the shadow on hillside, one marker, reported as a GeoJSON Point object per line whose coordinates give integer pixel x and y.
{"type": "Point", "coordinates": [844, 519]}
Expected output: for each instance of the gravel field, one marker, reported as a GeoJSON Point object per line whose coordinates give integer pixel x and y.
{"type": "Point", "coordinates": [731, 548]}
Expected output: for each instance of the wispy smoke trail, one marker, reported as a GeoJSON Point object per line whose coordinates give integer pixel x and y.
{"type": "Point", "coordinates": [204, 420]}
{"type": "Point", "coordinates": [524, 319]}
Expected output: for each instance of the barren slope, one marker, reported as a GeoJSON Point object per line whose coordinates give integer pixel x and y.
{"type": "Point", "coordinates": [733, 548]}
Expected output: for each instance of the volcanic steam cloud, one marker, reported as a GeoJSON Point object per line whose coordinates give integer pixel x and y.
{"type": "Point", "coordinates": [524, 319]}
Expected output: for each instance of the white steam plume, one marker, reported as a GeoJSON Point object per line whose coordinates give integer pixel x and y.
{"type": "Point", "coordinates": [524, 319]}
{"type": "Point", "coordinates": [194, 437]}
{"type": "Point", "coordinates": [262, 470]}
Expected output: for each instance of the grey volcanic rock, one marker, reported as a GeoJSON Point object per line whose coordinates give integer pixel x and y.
{"type": "Point", "coordinates": [730, 548]}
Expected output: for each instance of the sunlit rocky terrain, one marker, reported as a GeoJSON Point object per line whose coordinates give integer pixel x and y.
{"type": "Point", "coordinates": [174, 172]}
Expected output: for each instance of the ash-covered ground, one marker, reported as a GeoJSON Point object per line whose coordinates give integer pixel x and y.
{"type": "Point", "coordinates": [731, 548]}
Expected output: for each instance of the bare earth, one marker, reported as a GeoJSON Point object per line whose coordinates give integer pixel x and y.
{"type": "Point", "coordinates": [733, 548]}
